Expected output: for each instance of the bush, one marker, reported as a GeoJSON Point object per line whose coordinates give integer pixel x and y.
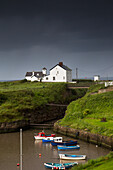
{"type": "Point", "coordinates": [86, 112]}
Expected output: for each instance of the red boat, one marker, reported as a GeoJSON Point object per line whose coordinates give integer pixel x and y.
{"type": "Point", "coordinates": [42, 135]}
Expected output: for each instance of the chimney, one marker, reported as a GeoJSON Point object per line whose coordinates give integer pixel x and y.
{"type": "Point", "coordinates": [61, 64]}
{"type": "Point", "coordinates": [33, 73]}
{"type": "Point", "coordinates": [44, 71]}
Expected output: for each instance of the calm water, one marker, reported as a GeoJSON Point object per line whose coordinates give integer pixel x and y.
{"type": "Point", "coordinates": [9, 151]}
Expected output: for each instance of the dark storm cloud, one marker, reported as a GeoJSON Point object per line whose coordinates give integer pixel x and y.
{"type": "Point", "coordinates": [71, 25]}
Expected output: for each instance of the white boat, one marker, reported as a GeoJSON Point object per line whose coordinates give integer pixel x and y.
{"type": "Point", "coordinates": [72, 157]}
{"type": "Point", "coordinates": [49, 139]}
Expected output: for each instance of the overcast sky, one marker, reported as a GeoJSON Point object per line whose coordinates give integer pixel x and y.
{"type": "Point", "coordinates": [41, 33]}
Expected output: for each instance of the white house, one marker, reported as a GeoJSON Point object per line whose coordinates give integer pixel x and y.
{"type": "Point", "coordinates": [96, 78]}
{"type": "Point", "coordinates": [36, 76]}
{"type": "Point", "coordinates": [59, 73]}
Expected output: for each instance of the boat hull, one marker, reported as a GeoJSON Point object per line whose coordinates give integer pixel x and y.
{"type": "Point", "coordinates": [72, 157]}
{"type": "Point", "coordinates": [60, 166]}
{"type": "Point", "coordinates": [42, 135]}
{"type": "Point", "coordinates": [67, 147]}
{"type": "Point", "coordinates": [66, 143]}
{"type": "Point", "coordinates": [50, 139]}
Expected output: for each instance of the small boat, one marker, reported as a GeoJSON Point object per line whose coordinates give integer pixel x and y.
{"type": "Point", "coordinates": [42, 135]}
{"type": "Point", "coordinates": [60, 166]}
{"type": "Point", "coordinates": [72, 157]}
{"type": "Point", "coordinates": [60, 147]}
{"type": "Point", "coordinates": [66, 143]}
{"type": "Point", "coordinates": [49, 139]}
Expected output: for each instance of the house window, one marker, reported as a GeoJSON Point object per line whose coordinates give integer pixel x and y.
{"type": "Point", "coordinates": [63, 77]}
{"type": "Point", "coordinates": [53, 78]}
{"type": "Point", "coordinates": [57, 72]}
{"type": "Point", "coordinates": [46, 78]}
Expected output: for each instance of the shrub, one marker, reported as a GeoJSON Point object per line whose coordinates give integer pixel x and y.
{"type": "Point", "coordinates": [86, 112]}
{"type": "Point", "coordinates": [103, 119]}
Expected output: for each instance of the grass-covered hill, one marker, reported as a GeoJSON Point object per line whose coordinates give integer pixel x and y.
{"type": "Point", "coordinates": [102, 163]}
{"type": "Point", "coordinates": [93, 112]}
{"type": "Point", "coordinates": [18, 97]}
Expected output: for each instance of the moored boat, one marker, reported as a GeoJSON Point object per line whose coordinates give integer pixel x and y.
{"type": "Point", "coordinates": [60, 166]}
{"type": "Point", "coordinates": [72, 157]}
{"type": "Point", "coordinates": [42, 135]}
{"type": "Point", "coordinates": [66, 143]}
{"type": "Point", "coordinates": [60, 147]}
{"type": "Point", "coordinates": [49, 139]}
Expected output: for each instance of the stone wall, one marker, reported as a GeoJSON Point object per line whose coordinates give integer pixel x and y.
{"type": "Point", "coordinates": [105, 90]}
{"type": "Point", "coordinates": [13, 126]}
{"type": "Point", "coordinates": [39, 115]}
{"type": "Point", "coordinates": [86, 136]}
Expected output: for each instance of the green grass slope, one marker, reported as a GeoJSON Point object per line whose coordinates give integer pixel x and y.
{"type": "Point", "coordinates": [103, 163]}
{"type": "Point", "coordinates": [19, 97]}
{"type": "Point", "coordinates": [93, 113]}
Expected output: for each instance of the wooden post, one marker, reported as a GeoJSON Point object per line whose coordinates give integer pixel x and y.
{"type": "Point", "coordinates": [20, 149]}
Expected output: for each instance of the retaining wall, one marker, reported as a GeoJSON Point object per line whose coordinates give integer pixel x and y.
{"type": "Point", "coordinates": [86, 136]}
{"type": "Point", "coordinates": [13, 126]}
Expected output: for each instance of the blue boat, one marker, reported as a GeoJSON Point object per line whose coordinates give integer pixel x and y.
{"type": "Point", "coordinates": [60, 166]}
{"type": "Point", "coordinates": [48, 139]}
{"type": "Point", "coordinates": [66, 143]}
{"type": "Point", "coordinates": [60, 147]}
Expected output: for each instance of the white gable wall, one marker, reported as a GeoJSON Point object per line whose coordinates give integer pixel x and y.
{"type": "Point", "coordinates": [58, 74]}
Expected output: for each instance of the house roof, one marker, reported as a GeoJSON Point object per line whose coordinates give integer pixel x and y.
{"type": "Point", "coordinates": [62, 66]}
{"type": "Point", "coordinates": [28, 74]}
{"type": "Point", "coordinates": [34, 73]}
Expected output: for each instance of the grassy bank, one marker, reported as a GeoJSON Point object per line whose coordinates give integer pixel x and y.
{"type": "Point", "coordinates": [103, 163]}
{"type": "Point", "coordinates": [93, 113]}
{"type": "Point", "coordinates": [19, 97]}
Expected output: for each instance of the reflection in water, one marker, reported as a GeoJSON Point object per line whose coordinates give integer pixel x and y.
{"type": "Point", "coordinates": [9, 151]}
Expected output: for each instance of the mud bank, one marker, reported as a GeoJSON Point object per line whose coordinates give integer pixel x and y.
{"type": "Point", "coordinates": [85, 135]}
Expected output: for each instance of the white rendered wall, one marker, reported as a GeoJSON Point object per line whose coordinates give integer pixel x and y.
{"type": "Point", "coordinates": [44, 71]}
{"type": "Point", "coordinates": [28, 78]}
{"type": "Point", "coordinates": [96, 78]}
{"type": "Point", "coordinates": [58, 73]}
{"type": "Point", "coordinates": [46, 78]}
{"type": "Point", "coordinates": [34, 78]}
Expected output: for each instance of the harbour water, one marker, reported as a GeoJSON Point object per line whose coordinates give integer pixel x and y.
{"type": "Point", "coordinates": [10, 151]}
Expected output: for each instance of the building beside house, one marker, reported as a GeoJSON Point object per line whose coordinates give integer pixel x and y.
{"type": "Point", "coordinates": [108, 83]}
{"type": "Point", "coordinates": [96, 78]}
{"type": "Point", "coordinates": [36, 76]}
{"type": "Point", "coordinates": [58, 73]}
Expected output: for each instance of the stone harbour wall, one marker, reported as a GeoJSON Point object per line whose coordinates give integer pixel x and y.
{"type": "Point", "coordinates": [39, 115]}
{"type": "Point", "coordinates": [86, 136]}
{"type": "Point", "coordinates": [13, 126]}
